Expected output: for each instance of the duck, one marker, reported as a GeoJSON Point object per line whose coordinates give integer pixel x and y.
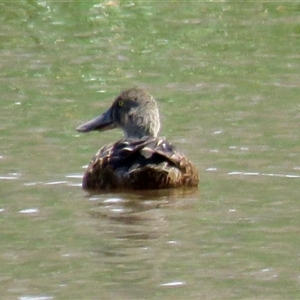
{"type": "Point", "coordinates": [141, 160]}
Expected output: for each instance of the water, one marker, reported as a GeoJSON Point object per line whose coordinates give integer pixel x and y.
{"type": "Point", "coordinates": [226, 76]}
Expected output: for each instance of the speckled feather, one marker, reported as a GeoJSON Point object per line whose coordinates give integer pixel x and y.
{"type": "Point", "coordinates": [147, 163]}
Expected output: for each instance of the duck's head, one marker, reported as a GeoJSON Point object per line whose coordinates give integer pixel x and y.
{"type": "Point", "coordinates": [134, 111]}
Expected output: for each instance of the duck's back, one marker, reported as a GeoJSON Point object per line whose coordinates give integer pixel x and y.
{"type": "Point", "coordinates": [147, 163]}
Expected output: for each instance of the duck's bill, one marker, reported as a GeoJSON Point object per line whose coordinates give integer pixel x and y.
{"type": "Point", "coordinates": [101, 123]}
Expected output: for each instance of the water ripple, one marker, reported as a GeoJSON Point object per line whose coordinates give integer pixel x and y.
{"type": "Point", "coordinates": [263, 174]}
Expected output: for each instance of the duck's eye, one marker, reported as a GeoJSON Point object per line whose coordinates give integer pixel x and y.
{"type": "Point", "coordinates": [121, 103]}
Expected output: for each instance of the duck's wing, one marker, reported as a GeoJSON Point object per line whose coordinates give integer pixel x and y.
{"type": "Point", "coordinates": [139, 164]}
{"type": "Point", "coordinates": [109, 167]}
{"type": "Point", "coordinates": [167, 166]}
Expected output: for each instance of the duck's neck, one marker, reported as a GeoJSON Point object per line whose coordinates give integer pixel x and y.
{"type": "Point", "coordinates": [137, 134]}
{"type": "Point", "coordinates": [138, 131]}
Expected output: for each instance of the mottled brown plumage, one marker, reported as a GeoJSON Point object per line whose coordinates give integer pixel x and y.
{"type": "Point", "coordinates": [141, 160]}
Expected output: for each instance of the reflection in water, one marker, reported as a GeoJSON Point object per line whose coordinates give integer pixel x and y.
{"type": "Point", "coordinates": [10, 176]}
{"type": "Point", "coordinates": [29, 211]}
{"type": "Point", "coordinates": [138, 231]}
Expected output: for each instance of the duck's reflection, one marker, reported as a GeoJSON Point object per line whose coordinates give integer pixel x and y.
{"type": "Point", "coordinates": [136, 230]}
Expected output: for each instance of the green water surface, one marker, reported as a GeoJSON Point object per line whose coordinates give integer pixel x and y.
{"type": "Point", "coordinates": [226, 76]}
